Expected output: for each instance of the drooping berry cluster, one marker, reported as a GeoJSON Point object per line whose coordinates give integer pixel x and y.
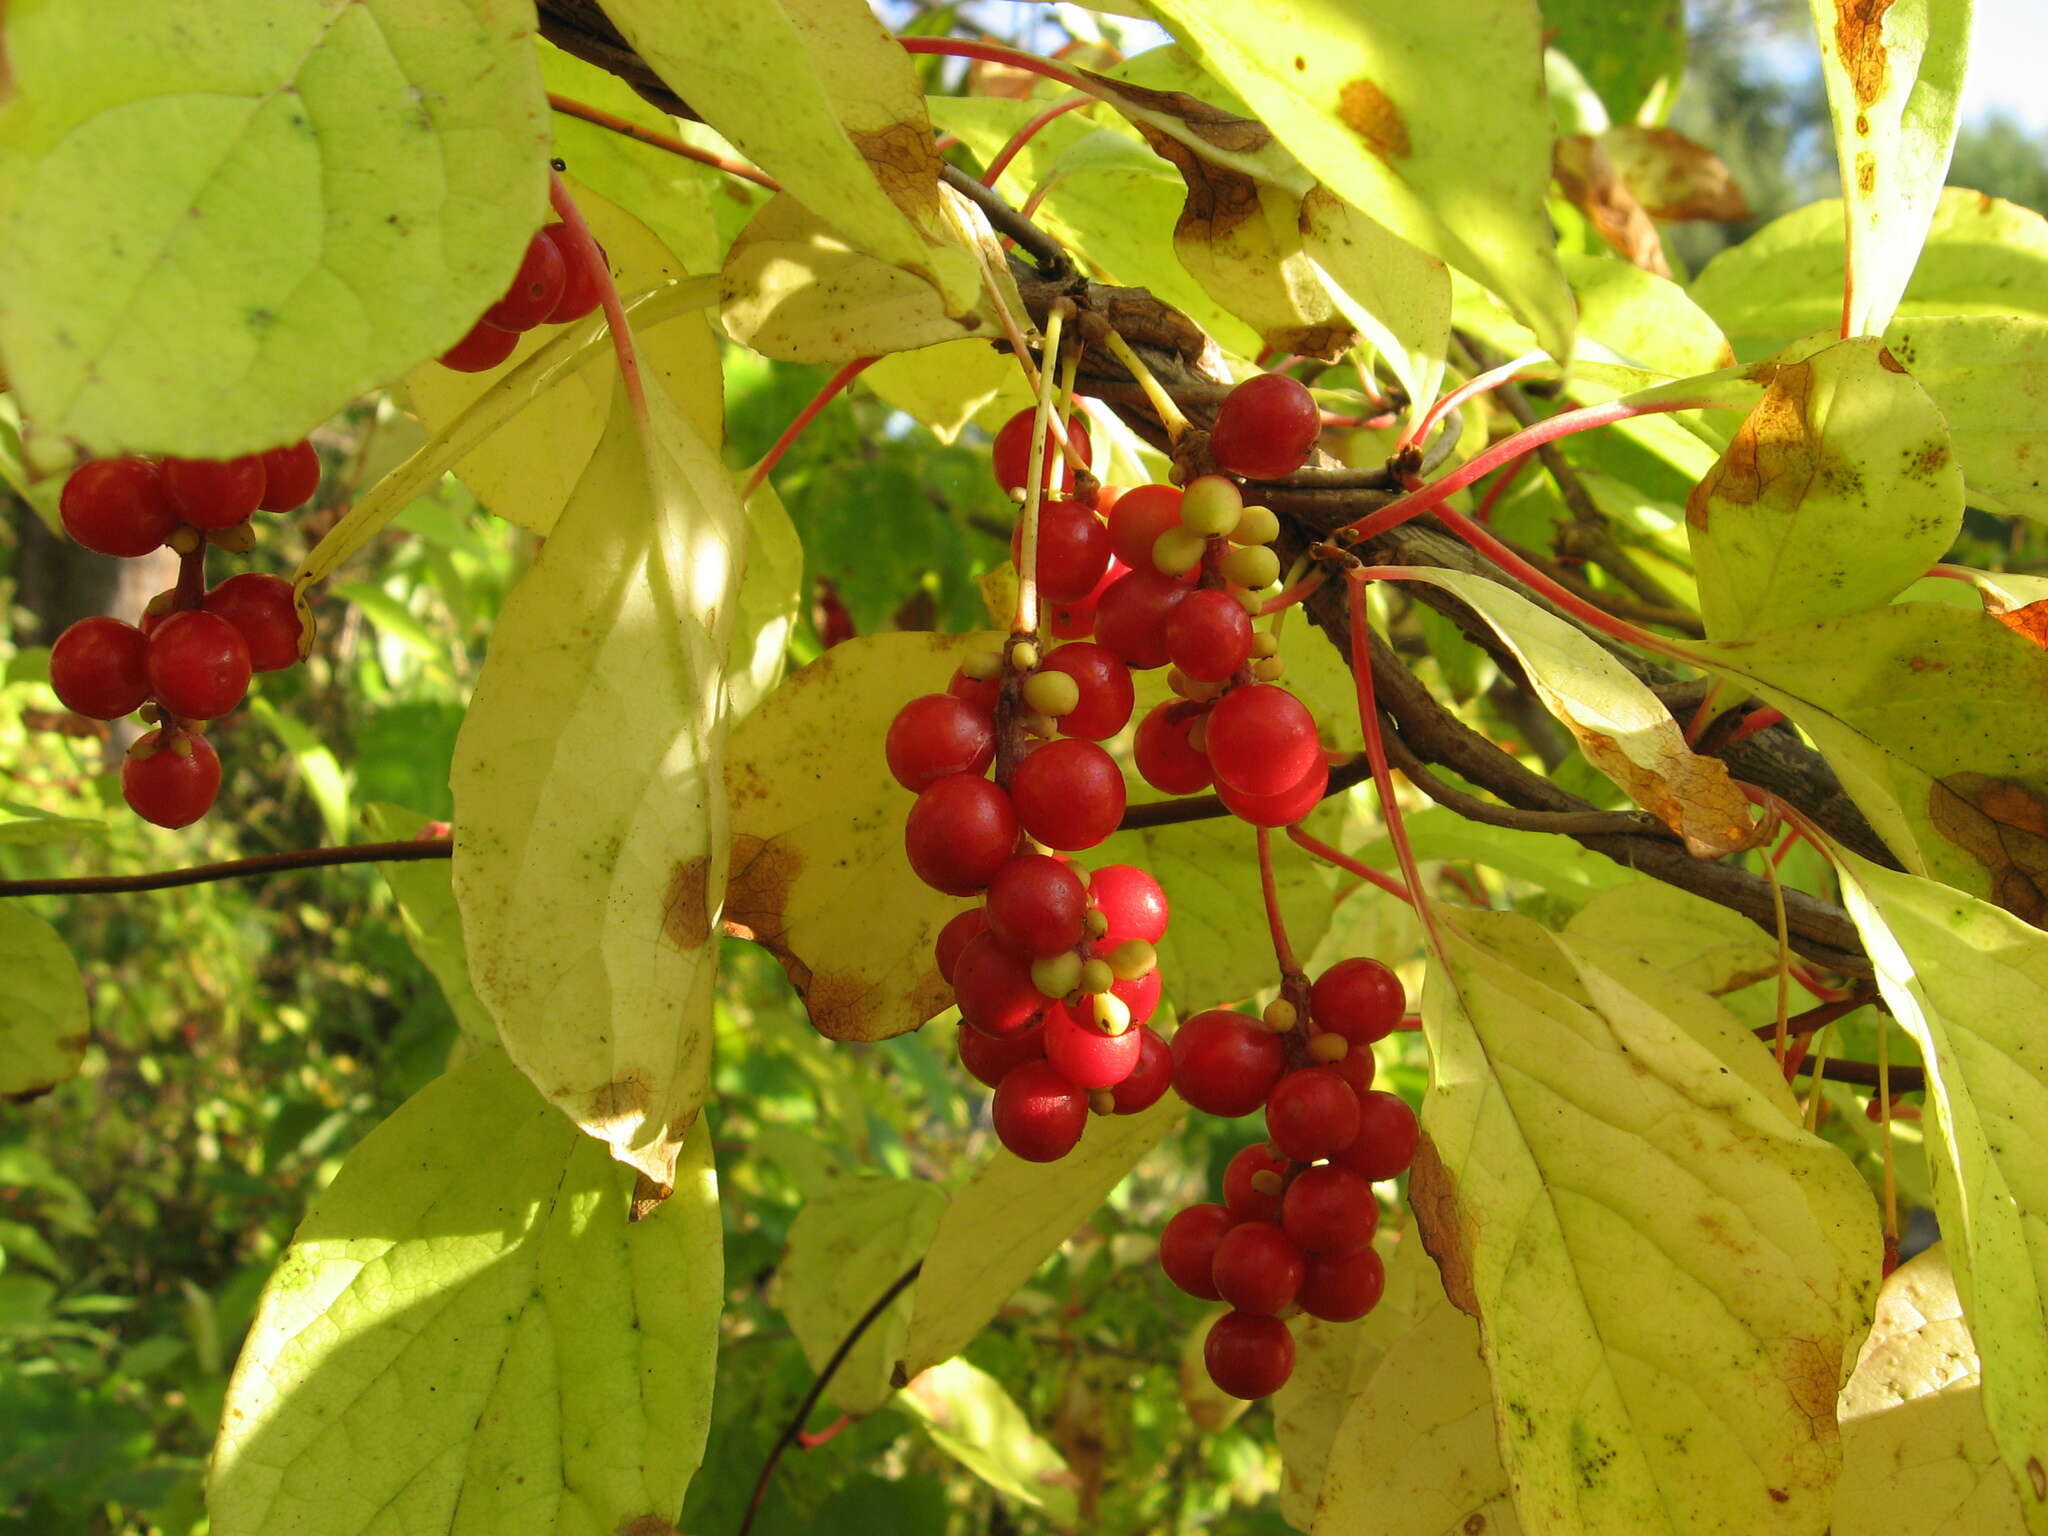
{"type": "Point", "coordinates": [189, 660]}
{"type": "Point", "coordinates": [1295, 1226]}
{"type": "Point", "coordinates": [551, 287]}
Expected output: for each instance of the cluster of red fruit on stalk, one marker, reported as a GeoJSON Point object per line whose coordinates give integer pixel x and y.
{"type": "Point", "coordinates": [189, 661]}
{"type": "Point", "coordinates": [1056, 971]}
{"type": "Point", "coordinates": [551, 287]}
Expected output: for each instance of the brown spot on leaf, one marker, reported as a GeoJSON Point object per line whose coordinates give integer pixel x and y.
{"type": "Point", "coordinates": [1771, 459]}
{"type": "Point", "coordinates": [2003, 825]}
{"type": "Point", "coordinates": [1212, 125]}
{"type": "Point", "coordinates": [1694, 796]}
{"type": "Point", "coordinates": [2038, 1476]}
{"type": "Point", "coordinates": [2029, 622]}
{"type": "Point", "coordinates": [647, 1197]}
{"type": "Point", "coordinates": [1866, 172]}
{"type": "Point", "coordinates": [1447, 1234]}
{"type": "Point", "coordinates": [647, 1525]}
{"type": "Point", "coordinates": [622, 1098]}
{"type": "Point", "coordinates": [1474, 1524]}
{"type": "Point", "coordinates": [1587, 176]}
{"type": "Point", "coordinates": [686, 905]}
{"type": "Point", "coordinates": [1672, 176]}
{"type": "Point", "coordinates": [1811, 1373]}
{"type": "Point", "coordinates": [904, 162]}
{"type": "Point", "coordinates": [1778, 1495]}
{"type": "Point", "coordinates": [1889, 361]}
{"type": "Point", "coordinates": [1219, 198]}
{"type": "Point", "coordinates": [1859, 26]}
{"type": "Point", "coordinates": [1368, 112]}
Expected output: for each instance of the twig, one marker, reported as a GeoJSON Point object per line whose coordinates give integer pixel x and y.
{"type": "Point", "coordinates": [655, 139]}
{"type": "Point", "coordinates": [1864, 1074]}
{"type": "Point", "coordinates": [1050, 256]}
{"type": "Point", "coordinates": [233, 869]}
{"type": "Point", "coordinates": [1815, 1018]}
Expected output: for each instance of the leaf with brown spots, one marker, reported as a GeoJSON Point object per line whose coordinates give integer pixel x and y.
{"type": "Point", "coordinates": [43, 1027]}
{"type": "Point", "coordinates": [817, 874]}
{"type": "Point", "coordinates": [1598, 1151]}
{"type": "Point", "coordinates": [1588, 177]}
{"type": "Point", "coordinates": [1989, 376]}
{"type": "Point", "coordinates": [1672, 176]}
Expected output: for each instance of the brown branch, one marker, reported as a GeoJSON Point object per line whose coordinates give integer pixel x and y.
{"type": "Point", "coordinates": [1054, 264]}
{"type": "Point", "coordinates": [1815, 1018]}
{"type": "Point", "coordinates": [1864, 1075]}
{"type": "Point", "coordinates": [233, 869]}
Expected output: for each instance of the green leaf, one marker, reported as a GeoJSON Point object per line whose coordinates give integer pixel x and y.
{"type": "Point", "coordinates": [433, 925]}
{"type": "Point", "coordinates": [1895, 83]}
{"type": "Point", "coordinates": [1917, 1456]}
{"type": "Point", "coordinates": [43, 1021]}
{"type": "Point", "coordinates": [1989, 376]}
{"type": "Point", "coordinates": [1969, 983]}
{"type": "Point", "coordinates": [470, 1334]}
{"type": "Point", "coordinates": [393, 153]}
{"type": "Point", "coordinates": [1450, 148]}
{"type": "Point", "coordinates": [817, 837]}
{"type": "Point", "coordinates": [28, 826]}
{"type": "Point", "coordinates": [972, 1419]}
{"type": "Point", "coordinates": [1836, 493]}
{"type": "Point", "coordinates": [1632, 52]}
{"type": "Point", "coordinates": [319, 769]}
{"type": "Point", "coordinates": [847, 1245]}
{"type": "Point", "coordinates": [590, 849]}
{"type": "Point", "coordinates": [1006, 1221]}
{"type": "Point", "coordinates": [1587, 1151]}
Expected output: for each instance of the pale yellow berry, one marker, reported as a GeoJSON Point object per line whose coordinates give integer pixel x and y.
{"type": "Point", "coordinates": [1265, 644]}
{"type": "Point", "coordinates": [184, 539]}
{"type": "Point", "coordinates": [1133, 958]}
{"type": "Point", "coordinates": [1328, 1047]}
{"type": "Point", "coordinates": [1095, 923]}
{"type": "Point", "coordinates": [1198, 734]}
{"type": "Point", "coordinates": [1178, 551]}
{"type": "Point", "coordinates": [982, 665]}
{"type": "Point", "coordinates": [1178, 681]}
{"type": "Point", "coordinates": [1057, 975]}
{"type": "Point", "coordinates": [1102, 1102]}
{"type": "Point", "coordinates": [1267, 1182]}
{"type": "Point", "coordinates": [1052, 693]}
{"type": "Point", "coordinates": [1023, 656]}
{"type": "Point", "coordinates": [1211, 503]}
{"type": "Point", "coordinates": [1043, 726]}
{"type": "Point", "coordinates": [238, 540]}
{"type": "Point", "coordinates": [1096, 977]}
{"type": "Point", "coordinates": [1252, 566]}
{"type": "Point", "coordinates": [1267, 669]}
{"type": "Point", "coordinates": [1250, 602]}
{"type": "Point", "coordinates": [1280, 1016]}
{"type": "Point", "coordinates": [1111, 1014]}
{"type": "Point", "coordinates": [1256, 525]}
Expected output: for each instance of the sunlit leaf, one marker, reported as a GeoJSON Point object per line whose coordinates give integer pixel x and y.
{"type": "Point", "coordinates": [949, 385]}
{"type": "Point", "coordinates": [1989, 376]}
{"type": "Point", "coordinates": [972, 1419]}
{"type": "Point", "coordinates": [43, 1023]}
{"type": "Point", "coordinates": [393, 152]}
{"type": "Point", "coordinates": [1395, 294]}
{"type": "Point", "coordinates": [28, 826]}
{"type": "Point", "coordinates": [433, 925]}
{"type": "Point", "coordinates": [771, 596]}
{"type": "Point", "coordinates": [468, 1333]}
{"type": "Point", "coordinates": [1698, 942]}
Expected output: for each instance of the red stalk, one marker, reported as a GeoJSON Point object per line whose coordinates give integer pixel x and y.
{"type": "Point", "coordinates": [804, 418]}
{"type": "Point", "coordinates": [583, 248]}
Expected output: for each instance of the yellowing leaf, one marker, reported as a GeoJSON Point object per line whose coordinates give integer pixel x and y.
{"type": "Point", "coordinates": [1624, 730]}
{"type": "Point", "coordinates": [1836, 493]}
{"type": "Point", "coordinates": [1969, 983]}
{"type": "Point", "coordinates": [972, 1419]}
{"type": "Point", "coordinates": [43, 1025]}
{"type": "Point", "coordinates": [392, 153]}
{"type": "Point", "coordinates": [1895, 82]}
{"type": "Point", "coordinates": [1698, 942]}
{"type": "Point", "coordinates": [949, 385]}
{"type": "Point", "coordinates": [468, 1333]}
{"type": "Point", "coordinates": [1397, 295]}
{"type": "Point", "coordinates": [1591, 1154]}
{"type": "Point", "coordinates": [817, 836]}
{"type": "Point", "coordinates": [1449, 147]}
{"type": "Point", "coordinates": [1672, 176]}
{"type": "Point", "coordinates": [771, 596]}
{"type": "Point", "coordinates": [1917, 1456]}
{"type": "Point", "coordinates": [590, 845]}
{"type": "Point", "coordinates": [1989, 376]}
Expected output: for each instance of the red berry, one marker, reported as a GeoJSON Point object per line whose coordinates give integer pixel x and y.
{"type": "Point", "coordinates": [1139, 517]}
{"type": "Point", "coordinates": [581, 292]}
{"type": "Point", "coordinates": [1087, 1057]}
{"type": "Point", "coordinates": [1265, 427]}
{"type": "Point", "coordinates": [170, 779]}
{"type": "Point", "coordinates": [937, 735]}
{"type": "Point", "coordinates": [1311, 1113]}
{"type": "Point", "coordinates": [1130, 618]}
{"type": "Point", "coordinates": [1141, 996]}
{"type": "Point", "coordinates": [1163, 753]}
{"type": "Point", "coordinates": [1073, 551]}
{"type": "Point", "coordinates": [98, 668]}
{"type": "Point", "coordinates": [1257, 1268]}
{"type": "Point", "coordinates": [1261, 740]}
{"type": "Point", "coordinates": [198, 665]}
{"type": "Point", "coordinates": [993, 986]}
{"type": "Point", "coordinates": [157, 609]}
{"type": "Point", "coordinates": [981, 692]}
{"type": "Point", "coordinates": [215, 493]}
{"type": "Point", "coordinates": [1106, 691]}
{"type": "Point", "coordinates": [261, 608]}
{"type": "Point", "coordinates": [1356, 1067]}
{"type": "Point", "coordinates": [535, 290]}
{"type": "Point", "coordinates": [960, 832]}
{"type": "Point", "coordinates": [1359, 998]}
{"type": "Point", "coordinates": [1245, 1202]}
{"type": "Point", "coordinates": [1209, 635]}
{"type": "Point", "coordinates": [1225, 1063]}
{"type": "Point", "coordinates": [1330, 1209]}
{"type": "Point", "coordinates": [1283, 809]}
{"type": "Point", "coordinates": [1149, 1079]}
{"type": "Point", "coordinates": [290, 476]}
{"type": "Point", "coordinates": [1131, 902]}
{"type": "Point", "coordinates": [990, 1059]}
{"type": "Point", "coordinates": [1037, 905]}
{"type": "Point", "coordinates": [953, 938]}
{"type": "Point", "coordinates": [1187, 1248]}
{"type": "Point", "coordinates": [1342, 1287]}
{"type": "Point", "coordinates": [1010, 458]}
{"type": "Point", "coordinates": [1039, 1115]}
{"type": "Point", "coordinates": [1385, 1143]}
{"type": "Point", "coordinates": [1249, 1355]}
{"type": "Point", "coordinates": [1069, 794]}
{"type": "Point", "coordinates": [481, 350]}
{"type": "Point", "coordinates": [117, 507]}
{"type": "Point", "coordinates": [1076, 620]}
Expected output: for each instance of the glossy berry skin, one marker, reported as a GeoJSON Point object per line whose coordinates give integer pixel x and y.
{"type": "Point", "coordinates": [98, 668]}
{"type": "Point", "coordinates": [482, 349]}
{"type": "Point", "coordinates": [1010, 458]}
{"type": "Point", "coordinates": [1069, 794]}
{"type": "Point", "coordinates": [1342, 1287]}
{"type": "Point", "coordinates": [1073, 551]}
{"type": "Point", "coordinates": [1076, 620]}
{"type": "Point", "coordinates": [937, 735]}
{"type": "Point", "coordinates": [1225, 1063]}
{"type": "Point", "coordinates": [1257, 1269]}
{"type": "Point", "coordinates": [1358, 998]}
{"type": "Point", "coordinates": [992, 983]}
{"type": "Point", "coordinates": [1283, 809]}
{"type": "Point", "coordinates": [1311, 1113]}
{"type": "Point", "coordinates": [1239, 1197]}
{"type": "Point", "coordinates": [1249, 1355]}
{"type": "Point", "coordinates": [1261, 740]}
{"type": "Point", "coordinates": [1149, 1078]}
{"type": "Point", "coordinates": [261, 608]}
{"type": "Point", "coordinates": [960, 832]}
{"type": "Point", "coordinates": [990, 1059]}
{"type": "Point", "coordinates": [1265, 427]}
{"type": "Point", "coordinates": [1387, 1134]}
{"type": "Point", "coordinates": [214, 493]}
{"type": "Point", "coordinates": [1038, 1114]}
{"type": "Point", "coordinates": [1130, 620]}
{"type": "Point", "coordinates": [117, 507]}
{"type": "Point", "coordinates": [169, 786]}
{"type": "Point", "coordinates": [198, 665]}
{"type": "Point", "coordinates": [1087, 1057]}
{"type": "Point", "coordinates": [1140, 515]}
{"type": "Point", "coordinates": [1165, 758]}
{"type": "Point", "coordinates": [1036, 905]}
{"type": "Point", "coordinates": [1330, 1209]}
{"type": "Point", "coordinates": [1187, 1248]}
{"type": "Point", "coordinates": [1209, 635]}
{"type": "Point", "coordinates": [1141, 996]}
{"type": "Point", "coordinates": [1106, 691]}
{"type": "Point", "coordinates": [535, 289]}
{"type": "Point", "coordinates": [580, 291]}
{"type": "Point", "coordinates": [954, 937]}
{"type": "Point", "coordinates": [1132, 902]}
{"type": "Point", "coordinates": [290, 476]}
{"type": "Point", "coordinates": [1357, 1068]}
{"type": "Point", "coordinates": [981, 692]}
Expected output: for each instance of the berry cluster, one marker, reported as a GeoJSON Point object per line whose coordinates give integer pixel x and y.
{"type": "Point", "coordinates": [1296, 1222]}
{"type": "Point", "coordinates": [551, 287]}
{"type": "Point", "coordinates": [190, 659]}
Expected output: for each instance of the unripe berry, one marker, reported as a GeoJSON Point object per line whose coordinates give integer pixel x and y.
{"type": "Point", "coordinates": [1057, 975]}
{"type": "Point", "coordinates": [1178, 551]}
{"type": "Point", "coordinates": [1252, 566]}
{"type": "Point", "coordinates": [1255, 525]}
{"type": "Point", "coordinates": [1052, 693]}
{"type": "Point", "coordinates": [1216, 502]}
